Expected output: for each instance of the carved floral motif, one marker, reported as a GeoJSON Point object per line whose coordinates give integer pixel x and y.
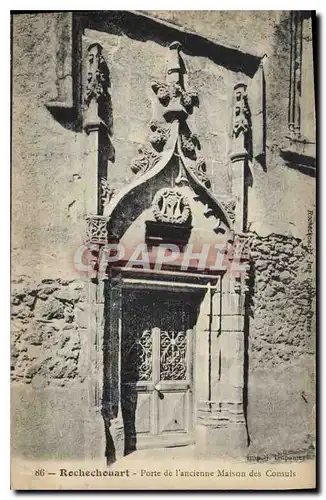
{"type": "Point", "coordinates": [106, 192]}
{"type": "Point", "coordinates": [199, 169]}
{"type": "Point", "coordinates": [159, 134]}
{"type": "Point", "coordinates": [189, 144]}
{"type": "Point", "coordinates": [97, 75]}
{"type": "Point", "coordinates": [166, 93]}
{"type": "Point", "coordinates": [96, 231]}
{"type": "Point", "coordinates": [241, 113]}
{"type": "Point", "coordinates": [229, 206]}
{"type": "Point", "coordinates": [145, 160]}
{"type": "Point", "coordinates": [170, 205]}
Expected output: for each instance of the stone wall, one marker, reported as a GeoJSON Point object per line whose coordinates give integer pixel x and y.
{"type": "Point", "coordinates": [53, 412]}
{"type": "Point", "coordinates": [281, 345]}
{"type": "Point", "coordinates": [46, 337]}
{"type": "Point", "coordinates": [281, 327]}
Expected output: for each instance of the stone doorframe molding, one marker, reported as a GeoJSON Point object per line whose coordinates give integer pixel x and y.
{"type": "Point", "coordinates": [219, 364]}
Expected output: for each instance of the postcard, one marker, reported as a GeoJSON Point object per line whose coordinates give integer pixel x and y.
{"type": "Point", "coordinates": [163, 280]}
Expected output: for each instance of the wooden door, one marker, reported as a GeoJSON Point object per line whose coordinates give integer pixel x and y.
{"type": "Point", "coordinates": [157, 380]}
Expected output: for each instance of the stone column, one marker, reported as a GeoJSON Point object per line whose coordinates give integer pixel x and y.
{"type": "Point", "coordinates": [257, 96]}
{"type": "Point", "coordinates": [96, 123]}
{"type": "Point", "coordinates": [239, 154]}
{"type": "Point", "coordinates": [111, 403]}
{"type": "Point", "coordinates": [202, 375]}
{"type": "Point", "coordinates": [221, 425]}
{"type": "Point", "coordinates": [232, 384]}
{"type": "Point", "coordinates": [95, 96]}
{"type": "Point", "coordinates": [207, 371]}
{"type": "Point", "coordinates": [94, 434]}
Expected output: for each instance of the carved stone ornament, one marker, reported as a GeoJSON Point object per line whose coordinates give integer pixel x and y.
{"type": "Point", "coordinates": [244, 242]}
{"type": "Point", "coordinates": [170, 205]}
{"type": "Point", "coordinates": [175, 103]}
{"type": "Point", "coordinates": [106, 192]}
{"type": "Point", "coordinates": [179, 102]}
{"type": "Point", "coordinates": [172, 95]}
{"type": "Point", "coordinates": [199, 169]}
{"type": "Point", "coordinates": [189, 144]}
{"type": "Point", "coordinates": [172, 158]}
{"type": "Point", "coordinates": [241, 113]}
{"type": "Point", "coordinates": [145, 160]}
{"type": "Point", "coordinates": [96, 231]}
{"type": "Point", "coordinates": [159, 134]}
{"type": "Point", "coordinates": [97, 75]}
{"type": "Point", "coordinates": [229, 206]}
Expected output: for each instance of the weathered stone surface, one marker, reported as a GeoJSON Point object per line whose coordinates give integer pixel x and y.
{"type": "Point", "coordinates": [46, 333]}
{"type": "Point", "coordinates": [283, 296]}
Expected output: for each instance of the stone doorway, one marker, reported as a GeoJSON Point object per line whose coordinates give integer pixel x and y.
{"type": "Point", "coordinates": [157, 368]}
{"type": "Point", "coordinates": [174, 363]}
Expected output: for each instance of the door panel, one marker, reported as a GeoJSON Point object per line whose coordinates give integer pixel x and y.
{"type": "Point", "coordinates": [143, 412]}
{"type": "Point", "coordinates": [156, 370]}
{"type": "Point", "coordinates": [172, 410]}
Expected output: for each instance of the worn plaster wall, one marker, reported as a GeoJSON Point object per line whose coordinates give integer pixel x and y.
{"type": "Point", "coordinates": [46, 156]}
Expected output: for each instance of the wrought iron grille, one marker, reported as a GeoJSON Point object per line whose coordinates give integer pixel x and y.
{"type": "Point", "coordinates": [137, 356]}
{"type": "Point", "coordinates": [173, 355]}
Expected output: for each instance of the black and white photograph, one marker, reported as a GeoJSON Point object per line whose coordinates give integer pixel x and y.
{"type": "Point", "coordinates": [163, 250]}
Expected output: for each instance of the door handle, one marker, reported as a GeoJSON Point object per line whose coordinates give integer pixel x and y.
{"type": "Point", "coordinates": [160, 394]}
